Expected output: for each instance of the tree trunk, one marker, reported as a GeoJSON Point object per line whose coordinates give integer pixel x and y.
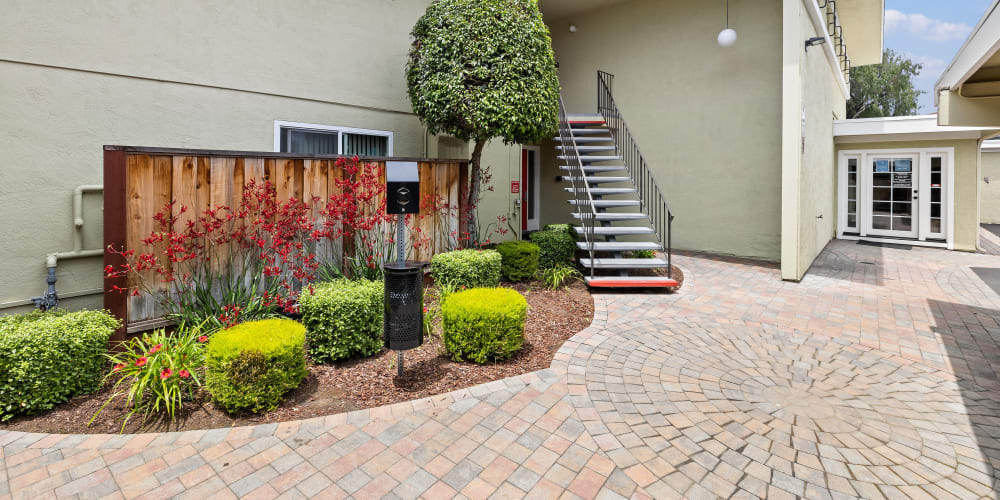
{"type": "Point", "coordinates": [475, 176]}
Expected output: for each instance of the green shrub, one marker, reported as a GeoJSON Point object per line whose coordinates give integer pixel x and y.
{"type": "Point", "coordinates": [468, 268]}
{"type": "Point", "coordinates": [555, 247]}
{"type": "Point", "coordinates": [564, 228]}
{"type": "Point", "coordinates": [519, 260]}
{"type": "Point", "coordinates": [252, 365]}
{"type": "Point", "coordinates": [484, 324]}
{"type": "Point", "coordinates": [46, 359]}
{"type": "Point", "coordinates": [642, 254]}
{"type": "Point", "coordinates": [343, 318]}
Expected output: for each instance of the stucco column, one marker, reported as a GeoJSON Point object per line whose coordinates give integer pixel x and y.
{"type": "Point", "coordinates": [791, 137]}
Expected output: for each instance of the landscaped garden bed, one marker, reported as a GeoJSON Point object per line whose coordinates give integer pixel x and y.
{"type": "Point", "coordinates": [553, 316]}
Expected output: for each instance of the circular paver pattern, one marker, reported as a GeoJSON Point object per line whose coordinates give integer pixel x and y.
{"type": "Point", "coordinates": [726, 402]}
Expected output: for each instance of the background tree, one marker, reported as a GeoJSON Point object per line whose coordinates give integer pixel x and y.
{"type": "Point", "coordinates": [884, 89]}
{"type": "Point", "coordinates": [483, 69]}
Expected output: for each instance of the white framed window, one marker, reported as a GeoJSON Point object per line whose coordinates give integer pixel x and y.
{"type": "Point", "coordinates": [313, 138]}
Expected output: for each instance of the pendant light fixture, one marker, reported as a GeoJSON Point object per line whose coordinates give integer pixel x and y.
{"type": "Point", "coordinates": [727, 37]}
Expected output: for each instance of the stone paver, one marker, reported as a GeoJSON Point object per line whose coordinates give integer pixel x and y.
{"type": "Point", "coordinates": [876, 376]}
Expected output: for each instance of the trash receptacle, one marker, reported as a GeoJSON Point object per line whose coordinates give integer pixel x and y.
{"type": "Point", "coordinates": [404, 313]}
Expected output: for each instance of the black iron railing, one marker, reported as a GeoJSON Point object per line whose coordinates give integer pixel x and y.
{"type": "Point", "coordinates": [836, 32]}
{"type": "Point", "coordinates": [581, 191]}
{"type": "Point", "coordinates": [651, 199]}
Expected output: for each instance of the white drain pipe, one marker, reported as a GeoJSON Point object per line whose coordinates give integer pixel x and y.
{"type": "Point", "coordinates": [50, 299]}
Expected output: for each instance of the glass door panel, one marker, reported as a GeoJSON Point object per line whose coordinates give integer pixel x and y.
{"type": "Point", "coordinates": [892, 195]}
{"type": "Point", "coordinates": [936, 191]}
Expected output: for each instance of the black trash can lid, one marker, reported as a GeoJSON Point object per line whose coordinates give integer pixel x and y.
{"type": "Point", "coordinates": [410, 265]}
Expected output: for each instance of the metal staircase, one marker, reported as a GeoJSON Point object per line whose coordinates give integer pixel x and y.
{"type": "Point", "coordinates": [614, 196]}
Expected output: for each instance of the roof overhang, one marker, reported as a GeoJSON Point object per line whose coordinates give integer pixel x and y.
{"type": "Point", "coordinates": [904, 128]}
{"type": "Point", "coordinates": [863, 22]}
{"type": "Point", "coordinates": [968, 92]}
{"type": "Point", "coordinates": [555, 10]}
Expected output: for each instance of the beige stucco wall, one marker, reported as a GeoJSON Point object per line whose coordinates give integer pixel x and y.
{"type": "Point", "coordinates": [823, 101]}
{"type": "Point", "coordinates": [190, 74]}
{"type": "Point", "coordinates": [989, 192]}
{"type": "Point", "coordinates": [707, 118]}
{"type": "Point", "coordinates": [967, 176]}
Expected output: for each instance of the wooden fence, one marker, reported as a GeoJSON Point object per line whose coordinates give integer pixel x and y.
{"type": "Point", "coordinates": [138, 182]}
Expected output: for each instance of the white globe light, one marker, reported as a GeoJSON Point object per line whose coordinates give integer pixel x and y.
{"type": "Point", "coordinates": [727, 37]}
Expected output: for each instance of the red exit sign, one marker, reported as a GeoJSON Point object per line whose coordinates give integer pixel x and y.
{"type": "Point", "coordinates": [515, 187]}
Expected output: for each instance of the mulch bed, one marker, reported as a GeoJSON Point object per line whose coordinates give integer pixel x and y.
{"type": "Point", "coordinates": [553, 317]}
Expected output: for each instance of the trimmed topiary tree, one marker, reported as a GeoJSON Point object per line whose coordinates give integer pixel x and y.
{"type": "Point", "coordinates": [482, 69]}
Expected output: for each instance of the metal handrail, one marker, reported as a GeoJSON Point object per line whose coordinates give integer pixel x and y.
{"type": "Point", "coordinates": [581, 189]}
{"type": "Point", "coordinates": [651, 199]}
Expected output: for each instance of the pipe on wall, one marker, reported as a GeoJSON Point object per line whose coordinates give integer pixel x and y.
{"type": "Point", "coordinates": [50, 299]}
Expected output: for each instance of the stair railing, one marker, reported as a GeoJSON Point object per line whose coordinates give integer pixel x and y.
{"type": "Point", "coordinates": [651, 199]}
{"type": "Point", "coordinates": [581, 189]}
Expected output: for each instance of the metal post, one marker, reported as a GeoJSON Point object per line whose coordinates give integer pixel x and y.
{"type": "Point", "coordinates": [401, 260]}
{"type": "Point", "coordinates": [400, 241]}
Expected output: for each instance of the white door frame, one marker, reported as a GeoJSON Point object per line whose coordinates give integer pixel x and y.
{"type": "Point", "coordinates": [533, 224]}
{"type": "Point", "coordinates": [923, 178]}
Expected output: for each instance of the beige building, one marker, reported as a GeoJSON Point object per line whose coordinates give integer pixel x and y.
{"type": "Point", "coordinates": [739, 139]}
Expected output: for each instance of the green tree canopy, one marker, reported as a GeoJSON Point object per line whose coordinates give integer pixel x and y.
{"type": "Point", "coordinates": [884, 89]}
{"type": "Point", "coordinates": [484, 69]}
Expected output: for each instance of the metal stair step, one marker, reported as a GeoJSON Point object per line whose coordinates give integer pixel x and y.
{"type": "Point", "coordinates": [592, 158]}
{"type": "Point", "coordinates": [625, 263]}
{"type": "Point", "coordinates": [631, 282]}
{"type": "Point", "coordinates": [603, 191]}
{"type": "Point", "coordinates": [616, 230]}
{"type": "Point", "coordinates": [582, 140]}
{"type": "Point", "coordinates": [593, 179]}
{"type": "Point", "coordinates": [590, 131]}
{"type": "Point", "coordinates": [611, 203]}
{"type": "Point", "coordinates": [620, 246]}
{"type": "Point", "coordinates": [588, 149]}
{"type": "Point", "coordinates": [595, 169]}
{"type": "Point", "coordinates": [610, 216]}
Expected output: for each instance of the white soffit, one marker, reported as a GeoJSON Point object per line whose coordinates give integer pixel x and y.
{"type": "Point", "coordinates": [900, 128]}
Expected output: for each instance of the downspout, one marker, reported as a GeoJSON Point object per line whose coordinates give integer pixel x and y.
{"type": "Point", "coordinates": [50, 299]}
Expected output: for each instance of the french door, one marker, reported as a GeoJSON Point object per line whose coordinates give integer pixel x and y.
{"type": "Point", "coordinates": [900, 193]}
{"type": "Point", "coordinates": [894, 194]}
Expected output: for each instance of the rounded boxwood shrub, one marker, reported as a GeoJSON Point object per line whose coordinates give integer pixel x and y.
{"type": "Point", "coordinates": [47, 358]}
{"type": "Point", "coordinates": [556, 247]}
{"type": "Point", "coordinates": [484, 324]}
{"type": "Point", "coordinates": [519, 260]}
{"type": "Point", "coordinates": [252, 365]}
{"type": "Point", "coordinates": [343, 318]}
{"type": "Point", "coordinates": [468, 268]}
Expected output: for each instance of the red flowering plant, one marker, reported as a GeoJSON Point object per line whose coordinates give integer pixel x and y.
{"type": "Point", "coordinates": [227, 264]}
{"type": "Point", "coordinates": [157, 373]}
{"type": "Point", "coordinates": [357, 214]}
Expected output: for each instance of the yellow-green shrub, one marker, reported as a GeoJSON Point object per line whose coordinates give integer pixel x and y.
{"type": "Point", "coordinates": [484, 324]}
{"type": "Point", "coordinates": [252, 365]}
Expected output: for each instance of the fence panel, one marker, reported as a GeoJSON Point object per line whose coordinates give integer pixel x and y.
{"type": "Point", "coordinates": [139, 182]}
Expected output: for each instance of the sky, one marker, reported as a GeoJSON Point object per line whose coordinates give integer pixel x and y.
{"type": "Point", "coordinates": [930, 32]}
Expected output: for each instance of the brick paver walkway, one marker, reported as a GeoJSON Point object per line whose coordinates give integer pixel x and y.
{"type": "Point", "coordinates": [876, 376]}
